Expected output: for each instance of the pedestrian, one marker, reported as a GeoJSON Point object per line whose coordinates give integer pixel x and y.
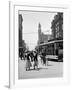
{"type": "Point", "coordinates": [39, 61]}
{"type": "Point", "coordinates": [27, 62]}
{"type": "Point", "coordinates": [44, 59]}
{"type": "Point", "coordinates": [35, 60]}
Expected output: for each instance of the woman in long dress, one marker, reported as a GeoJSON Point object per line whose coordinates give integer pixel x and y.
{"type": "Point", "coordinates": [39, 61]}
{"type": "Point", "coordinates": [35, 60]}
{"type": "Point", "coordinates": [27, 62]}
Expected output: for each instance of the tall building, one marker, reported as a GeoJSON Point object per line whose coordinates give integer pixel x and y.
{"type": "Point", "coordinates": [22, 44]}
{"type": "Point", "coordinates": [41, 36]}
{"type": "Point", "coordinates": [20, 30]}
{"type": "Point", "coordinates": [57, 26]}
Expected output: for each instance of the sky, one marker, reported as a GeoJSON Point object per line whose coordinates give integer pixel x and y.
{"type": "Point", "coordinates": [31, 19]}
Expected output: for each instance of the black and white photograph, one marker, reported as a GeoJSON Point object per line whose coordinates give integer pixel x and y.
{"type": "Point", "coordinates": [40, 44]}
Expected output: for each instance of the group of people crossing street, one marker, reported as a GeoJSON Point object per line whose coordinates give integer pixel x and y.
{"type": "Point", "coordinates": [34, 60]}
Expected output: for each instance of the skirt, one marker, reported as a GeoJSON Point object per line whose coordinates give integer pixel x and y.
{"type": "Point", "coordinates": [27, 64]}
{"type": "Point", "coordinates": [35, 63]}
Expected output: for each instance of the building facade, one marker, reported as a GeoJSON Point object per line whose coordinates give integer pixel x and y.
{"type": "Point", "coordinates": [20, 30]}
{"type": "Point", "coordinates": [41, 36]}
{"type": "Point", "coordinates": [22, 44]}
{"type": "Point", "coordinates": [57, 26]}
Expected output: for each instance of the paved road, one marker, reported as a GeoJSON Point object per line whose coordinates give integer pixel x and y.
{"type": "Point", "coordinates": [54, 69]}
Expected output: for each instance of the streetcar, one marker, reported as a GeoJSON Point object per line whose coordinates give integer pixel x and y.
{"type": "Point", "coordinates": [53, 49]}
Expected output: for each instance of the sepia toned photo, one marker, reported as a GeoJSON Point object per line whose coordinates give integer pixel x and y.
{"type": "Point", "coordinates": [40, 44]}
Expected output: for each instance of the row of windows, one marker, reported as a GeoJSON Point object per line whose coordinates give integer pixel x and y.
{"type": "Point", "coordinates": [51, 49]}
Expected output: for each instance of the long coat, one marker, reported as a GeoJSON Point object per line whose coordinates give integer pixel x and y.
{"type": "Point", "coordinates": [27, 61]}
{"type": "Point", "coordinates": [35, 60]}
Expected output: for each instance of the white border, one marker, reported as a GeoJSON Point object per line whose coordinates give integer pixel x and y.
{"type": "Point", "coordinates": [14, 82]}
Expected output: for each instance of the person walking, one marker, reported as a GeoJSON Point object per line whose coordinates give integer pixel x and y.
{"type": "Point", "coordinates": [35, 60]}
{"type": "Point", "coordinates": [39, 61]}
{"type": "Point", "coordinates": [44, 59]}
{"type": "Point", "coordinates": [27, 62]}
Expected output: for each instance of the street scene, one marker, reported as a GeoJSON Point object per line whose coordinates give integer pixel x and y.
{"type": "Point", "coordinates": [40, 44]}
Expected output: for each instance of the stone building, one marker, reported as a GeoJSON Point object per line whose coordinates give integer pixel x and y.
{"type": "Point", "coordinates": [20, 30]}
{"type": "Point", "coordinates": [57, 26]}
{"type": "Point", "coordinates": [22, 44]}
{"type": "Point", "coordinates": [41, 36]}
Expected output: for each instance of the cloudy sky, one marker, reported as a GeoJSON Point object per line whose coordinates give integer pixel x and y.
{"type": "Point", "coordinates": [31, 19]}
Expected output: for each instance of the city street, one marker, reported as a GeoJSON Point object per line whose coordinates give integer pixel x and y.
{"type": "Point", "coordinates": [53, 69]}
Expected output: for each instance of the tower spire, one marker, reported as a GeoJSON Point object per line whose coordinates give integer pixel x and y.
{"type": "Point", "coordinates": [39, 26]}
{"type": "Point", "coordinates": [39, 33]}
